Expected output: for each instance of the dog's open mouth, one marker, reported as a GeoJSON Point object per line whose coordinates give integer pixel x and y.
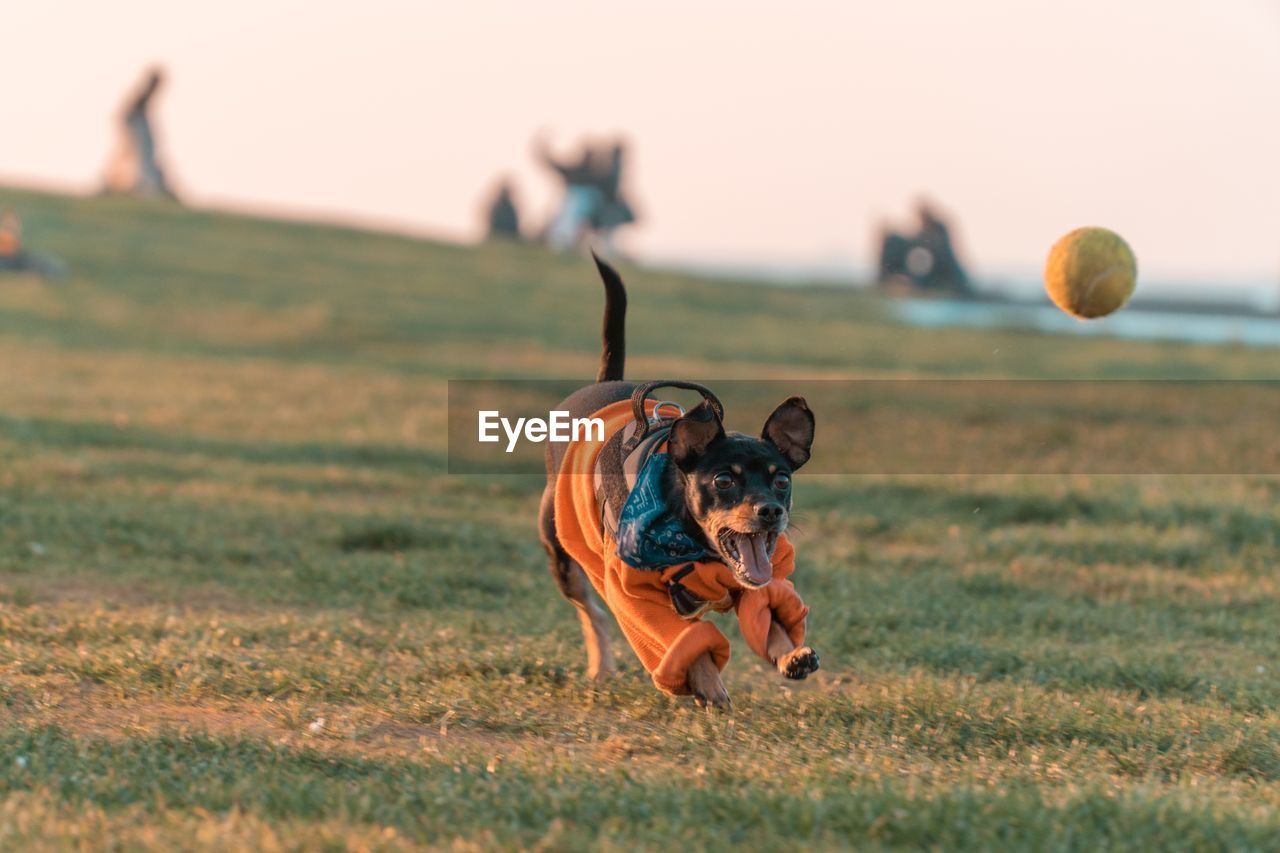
{"type": "Point", "coordinates": [750, 555]}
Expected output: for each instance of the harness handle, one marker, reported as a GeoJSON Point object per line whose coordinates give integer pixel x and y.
{"type": "Point", "coordinates": [642, 393]}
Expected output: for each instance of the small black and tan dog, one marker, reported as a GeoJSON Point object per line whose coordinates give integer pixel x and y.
{"type": "Point", "coordinates": [670, 517]}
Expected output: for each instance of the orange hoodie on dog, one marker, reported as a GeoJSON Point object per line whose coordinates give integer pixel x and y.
{"type": "Point", "coordinates": [666, 643]}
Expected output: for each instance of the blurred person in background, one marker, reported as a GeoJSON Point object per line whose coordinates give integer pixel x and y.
{"type": "Point", "coordinates": [568, 227]}
{"type": "Point", "coordinates": [612, 209]}
{"type": "Point", "coordinates": [925, 261]}
{"type": "Point", "coordinates": [15, 258]}
{"type": "Point", "coordinates": [592, 203]}
{"type": "Point", "coordinates": [10, 236]}
{"type": "Point", "coordinates": [135, 167]}
{"type": "Point", "coordinates": [503, 215]}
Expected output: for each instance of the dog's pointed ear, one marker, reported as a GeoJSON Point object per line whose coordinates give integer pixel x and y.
{"type": "Point", "coordinates": [790, 429]}
{"type": "Point", "coordinates": [692, 434]}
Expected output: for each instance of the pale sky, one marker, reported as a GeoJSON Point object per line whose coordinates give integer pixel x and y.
{"type": "Point", "coordinates": [759, 130]}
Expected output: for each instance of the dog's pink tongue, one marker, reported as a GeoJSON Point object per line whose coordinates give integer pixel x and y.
{"type": "Point", "coordinates": [755, 557]}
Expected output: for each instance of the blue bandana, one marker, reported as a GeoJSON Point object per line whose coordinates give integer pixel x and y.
{"type": "Point", "coordinates": [650, 536]}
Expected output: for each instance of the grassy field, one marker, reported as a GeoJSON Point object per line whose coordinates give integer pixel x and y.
{"type": "Point", "coordinates": [242, 606]}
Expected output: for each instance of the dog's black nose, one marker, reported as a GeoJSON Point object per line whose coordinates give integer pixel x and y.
{"type": "Point", "coordinates": [770, 513]}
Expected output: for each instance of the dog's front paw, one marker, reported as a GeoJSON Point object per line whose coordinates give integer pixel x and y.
{"type": "Point", "coordinates": [798, 663]}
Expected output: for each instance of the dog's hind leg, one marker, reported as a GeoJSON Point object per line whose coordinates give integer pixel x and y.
{"type": "Point", "coordinates": [708, 689]}
{"type": "Point", "coordinates": [572, 581]}
{"type": "Point", "coordinates": [595, 625]}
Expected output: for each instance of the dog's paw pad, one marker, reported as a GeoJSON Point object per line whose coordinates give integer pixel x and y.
{"type": "Point", "coordinates": [796, 665]}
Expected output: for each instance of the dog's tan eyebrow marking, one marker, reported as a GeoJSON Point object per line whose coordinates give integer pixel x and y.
{"type": "Point", "coordinates": [736, 469]}
{"type": "Point", "coordinates": [773, 469]}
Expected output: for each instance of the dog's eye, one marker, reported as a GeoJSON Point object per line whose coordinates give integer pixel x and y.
{"type": "Point", "coordinates": [782, 482]}
{"type": "Point", "coordinates": [723, 480]}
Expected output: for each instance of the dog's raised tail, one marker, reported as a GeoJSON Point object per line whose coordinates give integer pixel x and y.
{"type": "Point", "coordinates": [613, 337]}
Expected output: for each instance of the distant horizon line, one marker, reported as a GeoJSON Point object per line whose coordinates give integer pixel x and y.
{"type": "Point", "coordinates": [829, 267]}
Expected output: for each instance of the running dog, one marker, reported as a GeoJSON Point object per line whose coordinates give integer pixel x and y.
{"type": "Point", "coordinates": [671, 517]}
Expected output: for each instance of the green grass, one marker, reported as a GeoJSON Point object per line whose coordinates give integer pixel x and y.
{"type": "Point", "coordinates": [224, 519]}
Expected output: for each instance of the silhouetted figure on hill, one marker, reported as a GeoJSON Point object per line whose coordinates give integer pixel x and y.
{"type": "Point", "coordinates": [924, 261]}
{"type": "Point", "coordinates": [135, 167]}
{"type": "Point", "coordinates": [567, 229]}
{"type": "Point", "coordinates": [504, 216]}
{"type": "Point", "coordinates": [593, 203]}
{"type": "Point", "coordinates": [14, 257]}
{"type": "Point", "coordinates": [612, 209]}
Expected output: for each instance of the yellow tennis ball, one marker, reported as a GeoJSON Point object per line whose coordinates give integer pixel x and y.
{"type": "Point", "coordinates": [1090, 272]}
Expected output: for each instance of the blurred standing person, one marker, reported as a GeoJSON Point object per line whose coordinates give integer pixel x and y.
{"type": "Point", "coordinates": [581, 194]}
{"type": "Point", "coordinates": [135, 168]}
{"type": "Point", "coordinates": [503, 215]}
{"type": "Point", "coordinates": [612, 210]}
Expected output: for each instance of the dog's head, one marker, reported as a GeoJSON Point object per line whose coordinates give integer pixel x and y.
{"type": "Point", "coordinates": [738, 488]}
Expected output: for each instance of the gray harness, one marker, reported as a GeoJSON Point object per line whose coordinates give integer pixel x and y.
{"type": "Point", "coordinates": [619, 462]}
{"type": "Point", "coordinates": [616, 472]}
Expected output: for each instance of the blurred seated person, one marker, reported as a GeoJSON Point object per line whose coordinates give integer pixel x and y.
{"type": "Point", "coordinates": [14, 258]}
{"type": "Point", "coordinates": [10, 234]}
{"type": "Point", "coordinates": [925, 261]}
